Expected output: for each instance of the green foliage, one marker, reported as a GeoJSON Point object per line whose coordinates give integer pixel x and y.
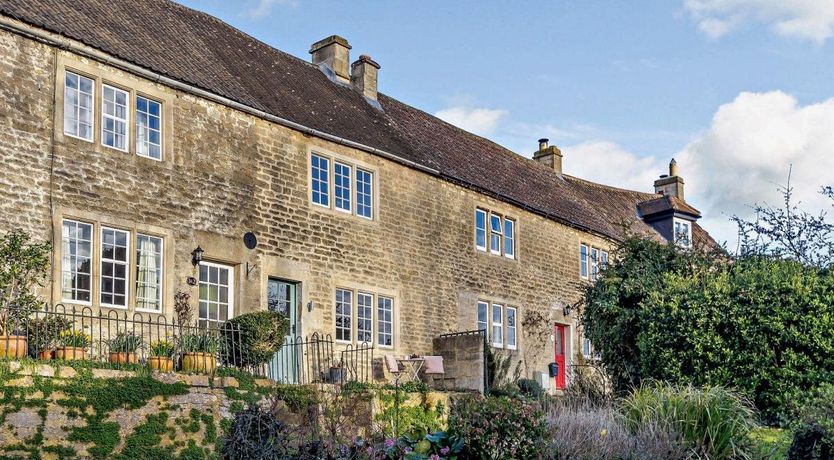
{"type": "Point", "coordinates": [43, 333]}
{"type": "Point", "coordinates": [199, 343]}
{"type": "Point", "coordinates": [23, 267]}
{"type": "Point", "coordinates": [770, 443]}
{"type": "Point", "coordinates": [72, 338]}
{"type": "Point", "coordinates": [298, 398]}
{"type": "Point", "coordinates": [124, 342]}
{"type": "Point", "coordinates": [498, 428]}
{"type": "Point", "coordinates": [258, 336]}
{"type": "Point", "coordinates": [411, 386]}
{"type": "Point", "coordinates": [813, 436]}
{"type": "Point", "coordinates": [762, 325]}
{"type": "Point", "coordinates": [530, 388]}
{"type": "Point", "coordinates": [414, 421]}
{"type": "Point", "coordinates": [145, 440]}
{"type": "Point", "coordinates": [163, 348]}
{"type": "Point", "coordinates": [713, 422]}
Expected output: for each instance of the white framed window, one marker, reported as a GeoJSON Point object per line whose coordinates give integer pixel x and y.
{"type": "Point", "coordinates": [509, 238]}
{"type": "Point", "coordinates": [497, 325]}
{"type": "Point", "coordinates": [495, 234]}
{"type": "Point", "coordinates": [114, 117]}
{"type": "Point", "coordinates": [385, 321]}
{"type": "Point", "coordinates": [148, 128]}
{"type": "Point", "coordinates": [216, 294]}
{"type": "Point", "coordinates": [149, 272]}
{"type": "Point", "coordinates": [115, 260]}
{"type": "Point", "coordinates": [364, 317]}
{"type": "Point", "coordinates": [587, 348]}
{"type": "Point", "coordinates": [511, 328]}
{"type": "Point", "coordinates": [344, 315]}
{"type": "Point", "coordinates": [603, 259]}
{"type": "Point", "coordinates": [76, 261]}
{"type": "Point", "coordinates": [364, 193]}
{"type": "Point", "coordinates": [480, 230]}
{"type": "Point", "coordinates": [342, 186]}
{"type": "Point", "coordinates": [583, 260]}
{"type": "Point", "coordinates": [594, 263]}
{"type": "Point", "coordinates": [483, 309]}
{"type": "Point", "coordinates": [683, 233]}
{"type": "Point", "coordinates": [320, 180]}
{"type": "Point", "coordinates": [78, 106]}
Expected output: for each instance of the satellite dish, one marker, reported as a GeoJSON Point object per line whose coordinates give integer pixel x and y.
{"type": "Point", "coordinates": [250, 240]}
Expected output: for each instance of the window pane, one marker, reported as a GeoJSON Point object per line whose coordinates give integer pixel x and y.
{"type": "Point", "coordinates": [364, 317]}
{"type": "Point", "coordinates": [341, 186]}
{"type": "Point", "coordinates": [149, 272]}
{"type": "Point", "coordinates": [497, 326]}
{"type": "Point", "coordinates": [511, 328]}
{"type": "Point", "coordinates": [320, 180]}
{"type": "Point", "coordinates": [509, 238]}
{"type": "Point", "coordinates": [344, 306]}
{"type": "Point", "coordinates": [364, 193]}
{"type": "Point", "coordinates": [114, 267]}
{"type": "Point", "coordinates": [215, 279]}
{"type": "Point", "coordinates": [480, 229]}
{"type": "Point", "coordinates": [114, 118]}
{"type": "Point", "coordinates": [495, 234]}
{"type": "Point", "coordinates": [148, 128]}
{"type": "Point", "coordinates": [76, 263]}
{"type": "Point", "coordinates": [385, 320]}
{"type": "Point", "coordinates": [594, 263]}
{"type": "Point", "coordinates": [583, 260]}
{"type": "Point", "coordinates": [78, 106]}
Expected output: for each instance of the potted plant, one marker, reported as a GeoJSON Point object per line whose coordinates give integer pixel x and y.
{"type": "Point", "coordinates": [199, 352]}
{"type": "Point", "coordinates": [123, 348]}
{"type": "Point", "coordinates": [73, 345]}
{"type": "Point", "coordinates": [23, 265]}
{"type": "Point", "coordinates": [162, 356]}
{"type": "Point", "coordinates": [43, 334]}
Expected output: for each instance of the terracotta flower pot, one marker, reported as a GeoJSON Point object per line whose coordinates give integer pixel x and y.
{"type": "Point", "coordinates": [71, 353]}
{"type": "Point", "coordinates": [199, 362]}
{"type": "Point", "coordinates": [12, 346]}
{"type": "Point", "coordinates": [122, 357]}
{"type": "Point", "coordinates": [45, 355]}
{"type": "Point", "coordinates": [161, 363]}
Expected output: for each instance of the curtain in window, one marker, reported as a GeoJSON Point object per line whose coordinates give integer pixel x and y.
{"type": "Point", "coordinates": [147, 284]}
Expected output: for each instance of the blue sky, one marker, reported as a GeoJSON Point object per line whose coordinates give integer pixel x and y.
{"type": "Point", "coordinates": [737, 90]}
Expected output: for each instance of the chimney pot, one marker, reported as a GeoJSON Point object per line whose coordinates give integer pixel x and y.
{"type": "Point", "coordinates": [543, 143]}
{"type": "Point", "coordinates": [673, 168]}
{"type": "Point", "coordinates": [332, 55]}
{"type": "Point", "coordinates": [364, 75]}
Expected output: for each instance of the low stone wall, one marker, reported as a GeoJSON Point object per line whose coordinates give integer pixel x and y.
{"type": "Point", "coordinates": [463, 360]}
{"type": "Point", "coordinates": [57, 412]}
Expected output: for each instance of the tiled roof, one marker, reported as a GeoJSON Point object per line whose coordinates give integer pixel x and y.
{"type": "Point", "coordinates": [198, 49]}
{"type": "Point", "coordinates": [666, 204]}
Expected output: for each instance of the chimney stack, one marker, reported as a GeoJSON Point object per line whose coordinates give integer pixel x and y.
{"type": "Point", "coordinates": [332, 55]}
{"type": "Point", "coordinates": [363, 77]}
{"type": "Point", "coordinates": [549, 156]}
{"type": "Point", "coordinates": [671, 185]}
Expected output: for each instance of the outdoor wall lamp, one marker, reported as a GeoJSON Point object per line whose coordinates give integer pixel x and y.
{"type": "Point", "coordinates": [197, 256]}
{"type": "Point", "coordinates": [566, 311]}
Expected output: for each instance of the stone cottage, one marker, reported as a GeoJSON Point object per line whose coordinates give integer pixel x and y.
{"type": "Point", "coordinates": [161, 150]}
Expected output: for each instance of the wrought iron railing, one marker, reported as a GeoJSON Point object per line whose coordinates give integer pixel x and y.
{"type": "Point", "coordinates": [317, 359]}
{"type": "Point", "coordinates": [115, 339]}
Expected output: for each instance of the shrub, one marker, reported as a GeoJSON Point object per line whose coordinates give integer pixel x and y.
{"type": "Point", "coordinates": [256, 433]}
{"type": "Point", "coordinates": [498, 428]}
{"type": "Point", "coordinates": [530, 388]}
{"type": "Point", "coordinates": [43, 333]}
{"type": "Point", "coordinates": [23, 267]}
{"type": "Point", "coordinates": [813, 436]}
{"type": "Point", "coordinates": [713, 422]}
{"type": "Point", "coordinates": [298, 398]}
{"type": "Point", "coordinates": [257, 336]}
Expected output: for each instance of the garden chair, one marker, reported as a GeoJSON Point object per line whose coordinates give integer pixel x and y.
{"type": "Point", "coordinates": [434, 368]}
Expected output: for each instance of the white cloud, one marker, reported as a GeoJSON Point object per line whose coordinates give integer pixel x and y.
{"type": "Point", "coordinates": [806, 19]}
{"type": "Point", "coordinates": [609, 163]}
{"type": "Point", "coordinates": [263, 7]}
{"type": "Point", "coordinates": [748, 150]}
{"type": "Point", "coordinates": [480, 121]}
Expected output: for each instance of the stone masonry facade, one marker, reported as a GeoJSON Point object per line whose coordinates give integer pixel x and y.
{"type": "Point", "coordinates": [224, 173]}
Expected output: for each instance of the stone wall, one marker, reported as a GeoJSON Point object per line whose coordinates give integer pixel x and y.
{"type": "Point", "coordinates": [224, 173]}
{"type": "Point", "coordinates": [463, 360]}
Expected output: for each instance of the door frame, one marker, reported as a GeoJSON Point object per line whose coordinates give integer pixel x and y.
{"type": "Point", "coordinates": [298, 304]}
{"type": "Point", "coordinates": [567, 345]}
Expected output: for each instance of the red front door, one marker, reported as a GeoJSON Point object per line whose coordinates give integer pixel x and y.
{"type": "Point", "coordinates": [559, 337]}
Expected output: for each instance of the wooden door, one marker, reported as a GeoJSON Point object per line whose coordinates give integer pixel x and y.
{"type": "Point", "coordinates": [559, 334]}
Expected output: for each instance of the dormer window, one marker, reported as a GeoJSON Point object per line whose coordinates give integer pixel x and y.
{"type": "Point", "coordinates": [683, 233]}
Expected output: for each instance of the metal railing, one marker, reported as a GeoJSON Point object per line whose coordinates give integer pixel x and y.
{"type": "Point", "coordinates": [115, 339]}
{"type": "Point", "coordinates": [316, 359]}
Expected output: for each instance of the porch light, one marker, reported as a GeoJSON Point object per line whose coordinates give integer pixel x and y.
{"type": "Point", "coordinates": [197, 255]}
{"type": "Point", "coordinates": [566, 311]}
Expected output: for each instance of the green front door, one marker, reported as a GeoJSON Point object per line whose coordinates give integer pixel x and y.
{"type": "Point", "coordinates": [282, 296]}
